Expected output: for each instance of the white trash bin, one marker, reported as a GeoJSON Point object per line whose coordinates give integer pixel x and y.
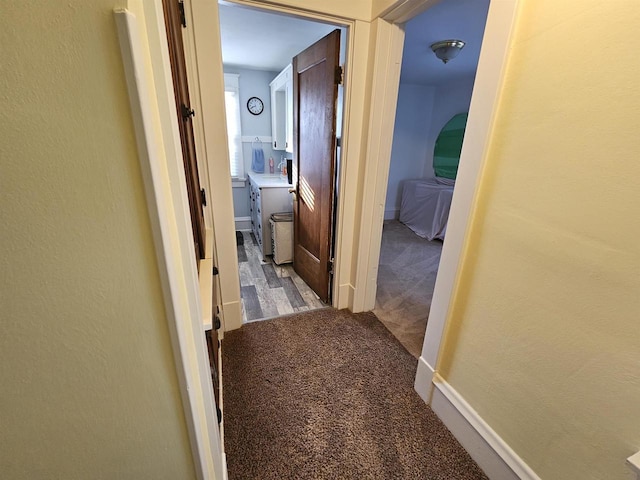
{"type": "Point", "coordinates": [282, 237]}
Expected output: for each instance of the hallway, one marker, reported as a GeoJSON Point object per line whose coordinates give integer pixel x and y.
{"type": "Point", "coordinates": [329, 395]}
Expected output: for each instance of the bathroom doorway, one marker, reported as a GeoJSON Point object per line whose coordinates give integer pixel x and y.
{"type": "Point", "coordinates": [258, 62]}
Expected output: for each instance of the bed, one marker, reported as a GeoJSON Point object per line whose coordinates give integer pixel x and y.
{"type": "Point", "coordinates": [426, 202]}
{"type": "Point", "coordinates": [425, 207]}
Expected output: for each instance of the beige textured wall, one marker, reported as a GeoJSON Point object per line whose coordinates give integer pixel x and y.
{"type": "Point", "coordinates": [544, 340]}
{"type": "Point", "coordinates": [88, 384]}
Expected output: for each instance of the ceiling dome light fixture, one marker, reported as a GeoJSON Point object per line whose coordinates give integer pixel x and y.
{"type": "Point", "coordinates": [447, 49]}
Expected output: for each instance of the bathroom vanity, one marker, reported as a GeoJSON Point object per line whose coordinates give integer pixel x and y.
{"type": "Point", "coordinates": [267, 194]}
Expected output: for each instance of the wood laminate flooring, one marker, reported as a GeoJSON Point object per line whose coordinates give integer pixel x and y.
{"type": "Point", "coordinates": [269, 290]}
{"type": "Point", "coordinates": [406, 278]}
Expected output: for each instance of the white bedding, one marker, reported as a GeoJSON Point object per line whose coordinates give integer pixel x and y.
{"type": "Point", "coordinates": [425, 207]}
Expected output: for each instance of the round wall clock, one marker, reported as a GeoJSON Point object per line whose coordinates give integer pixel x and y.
{"type": "Point", "coordinates": [255, 105]}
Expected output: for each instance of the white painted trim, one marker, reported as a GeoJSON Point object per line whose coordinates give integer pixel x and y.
{"type": "Point", "coordinates": [204, 41]}
{"type": "Point", "coordinates": [402, 12]}
{"type": "Point", "coordinates": [634, 463]}
{"type": "Point", "coordinates": [156, 31]}
{"type": "Point", "coordinates": [388, 58]}
{"type": "Point", "coordinates": [224, 463]}
{"type": "Point", "coordinates": [353, 128]}
{"type": "Point", "coordinates": [205, 279]}
{"type": "Point", "coordinates": [295, 11]}
{"type": "Point", "coordinates": [346, 296]}
{"type": "Point", "coordinates": [423, 383]}
{"type": "Point", "coordinates": [185, 329]}
{"type": "Point", "coordinates": [250, 139]}
{"type": "Point", "coordinates": [243, 224]}
{"type": "Point", "coordinates": [484, 102]}
{"type": "Point", "coordinates": [484, 445]}
{"type": "Point", "coordinates": [204, 173]}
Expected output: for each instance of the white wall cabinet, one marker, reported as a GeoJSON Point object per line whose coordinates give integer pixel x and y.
{"type": "Point", "coordinates": [282, 110]}
{"type": "Point", "coordinates": [267, 195]}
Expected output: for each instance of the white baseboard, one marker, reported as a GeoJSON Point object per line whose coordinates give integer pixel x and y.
{"type": "Point", "coordinates": [225, 472]}
{"type": "Point", "coordinates": [391, 214]}
{"type": "Point", "coordinates": [243, 224]}
{"type": "Point", "coordinates": [634, 463]}
{"type": "Point", "coordinates": [484, 445]}
{"type": "Point", "coordinates": [424, 380]}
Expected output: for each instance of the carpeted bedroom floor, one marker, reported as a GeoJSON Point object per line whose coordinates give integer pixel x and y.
{"type": "Point", "coordinates": [406, 278]}
{"type": "Point", "coordinates": [329, 394]}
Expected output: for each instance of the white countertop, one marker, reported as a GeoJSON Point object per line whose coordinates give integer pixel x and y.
{"type": "Point", "coordinates": [266, 180]}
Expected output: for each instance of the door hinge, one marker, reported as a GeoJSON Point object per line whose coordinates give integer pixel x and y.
{"type": "Point", "coordinates": [338, 75]}
{"type": "Point", "coordinates": [216, 323]}
{"type": "Point", "coordinates": [187, 112]}
{"type": "Point", "coordinates": [330, 266]}
{"type": "Point", "coordinates": [183, 17]}
{"type": "Point", "coordinates": [203, 196]}
{"type": "Point", "coordinates": [215, 270]}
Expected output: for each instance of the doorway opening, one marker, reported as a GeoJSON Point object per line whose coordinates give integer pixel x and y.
{"type": "Point", "coordinates": [433, 100]}
{"type": "Point", "coordinates": [273, 195]}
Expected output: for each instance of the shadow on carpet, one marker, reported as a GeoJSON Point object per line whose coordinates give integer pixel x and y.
{"type": "Point", "coordinates": [329, 395]}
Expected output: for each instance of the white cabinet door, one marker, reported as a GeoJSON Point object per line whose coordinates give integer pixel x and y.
{"type": "Point", "coordinates": [282, 110]}
{"type": "Point", "coordinates": [288, 145]}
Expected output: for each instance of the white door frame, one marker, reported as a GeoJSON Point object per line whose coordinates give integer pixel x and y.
{"type": "Point", "coordinates": [486, 96]}
{"type": "Point", "coordinates": [209, 72]}
{"type": "Point", "coordinates": [145, 54]}
{"type": "Point", "coordinates": [487, 89]}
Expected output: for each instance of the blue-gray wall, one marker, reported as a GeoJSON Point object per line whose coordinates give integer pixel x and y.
{"type": "Point", "coordinates": [409, 150]}
{"type": "Point", "coordinates": [253, 83]}
{"type": "Point", "coordinates": [421, 113]}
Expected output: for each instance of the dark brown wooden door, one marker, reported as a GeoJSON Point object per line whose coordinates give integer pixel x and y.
{"type": "Point", "coordinates": [174, 21]}
{"type": "Point", "coordinates": [315, 93]}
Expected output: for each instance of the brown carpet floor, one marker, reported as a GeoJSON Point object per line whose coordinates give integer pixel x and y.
{"type": "Point", "coordinates": [329, 395]}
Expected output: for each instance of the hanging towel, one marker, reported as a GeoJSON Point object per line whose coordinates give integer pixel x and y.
{"type": "Point", "coordinates": [257, 157]}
